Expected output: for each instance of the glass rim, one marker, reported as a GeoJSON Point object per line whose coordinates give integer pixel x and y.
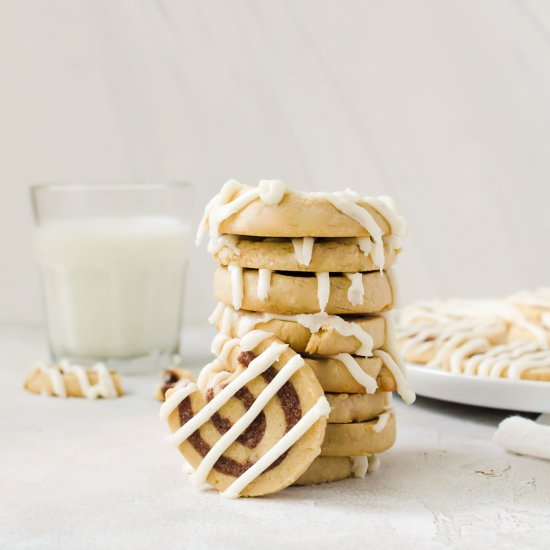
{"type": "Point", "coordinates": [122, 185]}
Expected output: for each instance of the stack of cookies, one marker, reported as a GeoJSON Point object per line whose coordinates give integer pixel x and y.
{"type": "Point", "coordinates": [314, 271]}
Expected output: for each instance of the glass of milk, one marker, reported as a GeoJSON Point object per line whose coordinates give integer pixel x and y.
{"type": "Point", "coordinates": [112, 260]}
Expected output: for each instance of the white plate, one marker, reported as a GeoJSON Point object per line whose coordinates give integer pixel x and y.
{"type": "Point", "coordinates": [498, 393]}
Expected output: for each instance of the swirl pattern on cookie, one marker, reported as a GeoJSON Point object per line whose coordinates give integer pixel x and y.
{"type": "Point", "coordinates": [215, 443]}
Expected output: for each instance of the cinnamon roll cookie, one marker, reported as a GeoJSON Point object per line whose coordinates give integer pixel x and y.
{"type": "Point", "coordinates": [274, 210]}
{"type": "Point", "coordinates": [344, 373]}
{"type": "Point", "coordinates": [356, 407]}
{"type": "Point", "coordinates": [170, 377]}
{"type": "Point", "coordinates": [483, 338]}
{"type": "Point", "coordinates": [344, 407]}
{"type": "Point", "coordinates": [341, 373]}
{"type": "Point", "coordinates": [293, 293]}
{"type": "Point", "coordinates": [534, 316]}
{"type": "Point", "coordinates": [360, 438]}
{"type": "Point", "coordinates": [325, 469]}
{"type": "Point", "coordinates": [254, 427]}
{"type": "Point", "coordinates": [314, 334]}
{"type": "Point", "coordinates": [308, 254]}
{"type": "Point", "coordinates": [66, 380]}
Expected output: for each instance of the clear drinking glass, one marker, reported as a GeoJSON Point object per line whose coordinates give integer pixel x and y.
{"type": "Point", "coordinates": [112, 260]}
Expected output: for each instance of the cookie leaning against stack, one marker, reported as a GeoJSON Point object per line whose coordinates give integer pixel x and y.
{"type": "Point", "coordinates": [309, 272]}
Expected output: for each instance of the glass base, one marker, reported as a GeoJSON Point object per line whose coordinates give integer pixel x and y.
{"type": "Point", "coordinates": [142, 364]}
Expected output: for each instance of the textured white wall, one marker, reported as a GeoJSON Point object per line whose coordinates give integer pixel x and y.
{"type": "Point", "coordinates": [444, 105]}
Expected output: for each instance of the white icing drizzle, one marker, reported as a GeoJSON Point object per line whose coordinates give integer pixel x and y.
{"type": "Point", "coordinates": [357, 372]}
{"type": "Point", "coordinates": [323, 290]}
{"type": "Point", "coordinates": [216, 315]}
{"type": "Point", "coordinates": [463, 337]}
{"type": "Point", "coordinates": [219, 377]}
{"type": "Point", "coordinates": [386, 207]}
{"type": "Point", "coordinates": [439, 328]}
{"type": "Point", "coordinates": [514, 315]}
{"type": "Point", "coordinates": [222, 348]}
{"type": "Point", "coordinates": [313, 322]}
{"type": "Point", "coordinates": [319, 410]}
{"type": "Point", "coordinates": [81, 376]}
{"type": "Point", "coordinates": [377, 254]}
{"type": "Point", "coordinates": [264, 283]}
{"type": "Point", "coordinates": [205, 372]}
{"type": "Point", "coordinates": [56, 377]}
{"type": "Point", "coordinates": [393, 242]}
{"type": "Point", "coordinates": [105, 386]}
{"type": "Point", "coordinates": [374, 463]}
{"type": "Point", "coordinates": [244, 421]}
{"type": "Point", "coordinates": [477, 345]}
{"type": "Point", "coordinates": [226, 210]}
{"type": "Point", "coordinates": [258, 365]}
{"type": "Point", "coordinates": [390, 344]}
{"type": "Point", "coordinates": [254, 338]}
{"type": "Point", "coordinates": [216, 243]}
{"type": "Point", "coordinates": [186, 468]}
{"type": "Point", "coordinates": [183, 389]}
{"type": "Point", "coordinates": [229, 314]}
{"type": "Point", "coordinates": [403, 388]}
{"type": "Point", "coordinates": [347, 201]}
{"type": "Point", "coordinates": [220, 208]}
{"type": "Point", "coordinates": [382, 422]}
{"type": "Point", "coordinates": [539, 298]}
{"type": "Point", "coordinates": [272, 191]}
{"type": "Point", "coordinates": [236, 273]}
{"type": "Point", "coordinates": [209, 219]}
{"type": "Point", "coordinates": [317, 321]}
{"type": "Point", "coordinates": [365, 244]}
{"type": "Point", "coordinates": [303, 249]}
{"type": "Point", "coordinates": [219, 340]}
{"type": "Point", "coordinates": [356, 290]}
{"type": "Point", "coordinates": [225, 350]}
{"type": "Point", "coordinates": [510, 360]}
{"type": "Point", "coordinates": [303, 246]}
{"type": "Point", "coordinates": [359, 466]}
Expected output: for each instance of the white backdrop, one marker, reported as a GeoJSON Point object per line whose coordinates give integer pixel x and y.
{"type": "Point", "coordinates": [444, 105]}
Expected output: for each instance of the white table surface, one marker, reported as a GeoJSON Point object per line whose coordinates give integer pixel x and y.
{"type": "Point", "coordinates": [98, 474]}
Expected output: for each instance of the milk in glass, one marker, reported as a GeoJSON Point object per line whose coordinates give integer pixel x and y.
{"type": "Point", "coordinates": [112, 286]}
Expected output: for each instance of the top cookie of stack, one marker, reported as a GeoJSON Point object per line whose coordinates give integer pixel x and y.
{"type": "Point", "coordinates": [286, 252]}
